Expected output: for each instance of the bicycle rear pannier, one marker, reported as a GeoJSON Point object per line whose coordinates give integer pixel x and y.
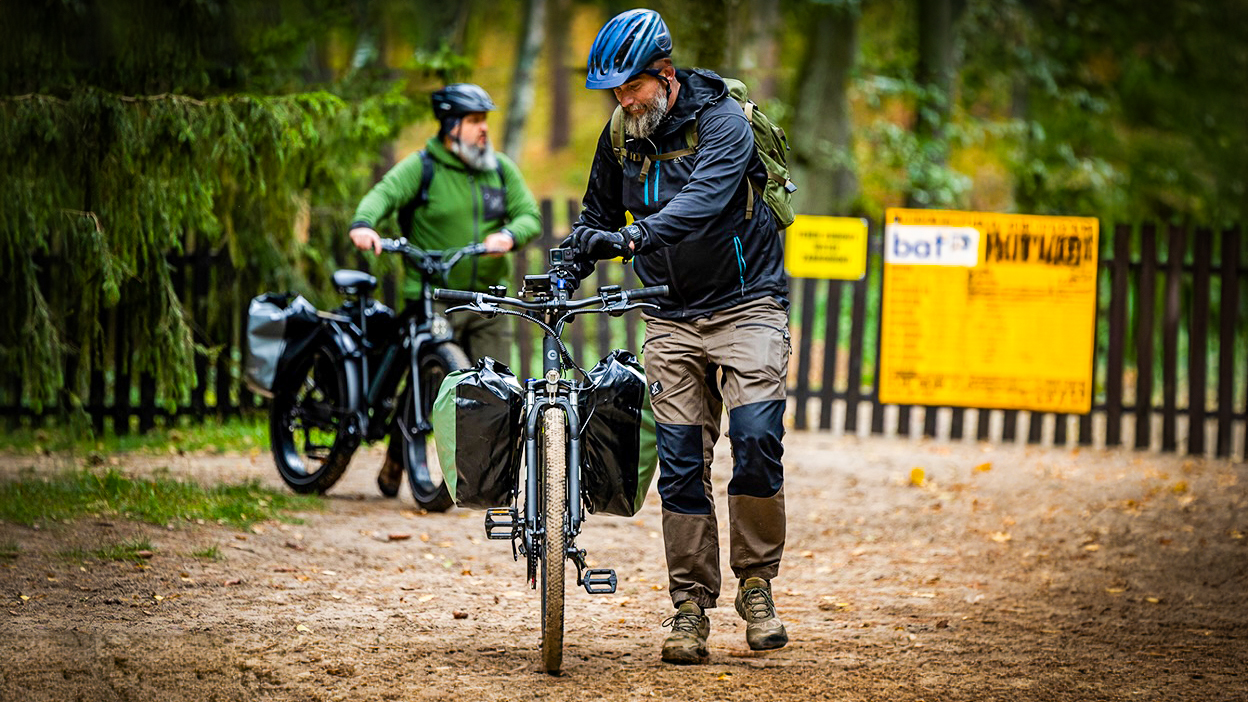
{"type": "Point", "coordinates": [477, 422]}
{"type": "Point", "coordinates": [618, 441]}
{"type": "Point", "coordinates": [273, 321]}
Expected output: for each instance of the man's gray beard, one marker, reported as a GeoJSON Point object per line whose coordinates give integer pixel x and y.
{"type": "Point", "coordinates": [481, 158]}
{"type": "Point", "coordinates": [643, 125]}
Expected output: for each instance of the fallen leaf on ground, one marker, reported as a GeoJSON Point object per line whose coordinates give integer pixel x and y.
{"type": "Point", "coordinates": [1092, 547]}
{"type": "Point", "coordinates": [144, 554]}
{"type": "Point", "coordinates": [1002, 537]}
{"type": "Point", "coordinates": [399, 537]}
{"type": "Point", "coordinates": [425, 598]}
{"type": "Point", "coordinates": [459, 615]}
{"type": "Point", "coordinates": [917, 477]}
{"type": "Point", "coordinates": [234, 581]}
{"type": "Point", "coordinates": [983, 467]}
{"type": "Point", "coordinates": [302, 628]}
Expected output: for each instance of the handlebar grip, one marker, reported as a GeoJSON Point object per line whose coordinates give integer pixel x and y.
{"type": "Point", "coordinates": [392, 244]}
{"type": "Point", "coordinates": [454, 295]}
{"type": "Point", "coordinates": [642, 293]}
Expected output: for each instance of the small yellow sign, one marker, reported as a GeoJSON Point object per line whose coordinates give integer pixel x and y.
{"type": "Point", "coordinates": [831, 248]}
{"type": "Point", "coordinates": [988, 310]}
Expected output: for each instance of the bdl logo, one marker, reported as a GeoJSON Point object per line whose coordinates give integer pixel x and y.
{"type": "Point", "coordinates": [926, 245]}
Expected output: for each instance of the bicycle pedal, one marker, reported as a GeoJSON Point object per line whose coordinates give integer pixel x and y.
{"type": "Point", "coordinates": [500, 523]}
{"type": "Point", "coordinates": [600, 581]}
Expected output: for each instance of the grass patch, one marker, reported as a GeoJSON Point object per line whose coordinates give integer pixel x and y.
{"type": "Point", "coordinates": [128, 550]}
{"type": "Point", "coordinates": [9, 550]}
{"type": "Point", "coordinates": [234, 435]}
{"type": "Point", "coordinates": [157, 500]}
{"type": "Point", "coordinates": [136, 550]}
{"type": "Point", "coordinates": [212, 553]}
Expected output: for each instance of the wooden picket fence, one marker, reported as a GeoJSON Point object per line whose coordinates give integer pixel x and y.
{"type": "Point", "coordinates": [1171, 360]}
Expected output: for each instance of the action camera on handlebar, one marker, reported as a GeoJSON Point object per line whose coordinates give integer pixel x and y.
{"type": "Point", "coordinates": [561, 277]}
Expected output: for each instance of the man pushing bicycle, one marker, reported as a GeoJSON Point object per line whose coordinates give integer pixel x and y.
{"type": "Point", "coordinates": [689, 175]}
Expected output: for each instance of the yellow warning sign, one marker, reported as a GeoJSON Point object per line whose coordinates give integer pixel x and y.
{"type": "Point", "coordinates": [831, 248]}
{"type": "Point", "coordinates": [988, 310]}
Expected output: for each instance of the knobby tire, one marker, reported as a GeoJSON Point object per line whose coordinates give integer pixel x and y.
{"type": "Point", "coordinates": [554, 507]}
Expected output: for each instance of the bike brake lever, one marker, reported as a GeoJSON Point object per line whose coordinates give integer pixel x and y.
{"type": "Point", "coordinates": [617, 311]}
{"type": "Point", "coordinates": [487, 310]}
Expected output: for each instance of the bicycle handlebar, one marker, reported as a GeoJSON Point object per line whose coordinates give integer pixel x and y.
{"type": "Point", "coordinates": [608, 298]}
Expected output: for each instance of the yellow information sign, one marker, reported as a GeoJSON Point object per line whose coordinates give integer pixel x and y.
{"type": "Point", "coordinates": [832, 248]}
{"type": "Point", "coordinates": [988, 310]}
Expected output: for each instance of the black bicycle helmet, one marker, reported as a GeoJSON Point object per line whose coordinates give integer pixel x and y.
{"type": "Point", "coordinates": [451, 103]}
{"type": "Point", "coordinates": [626, 46]}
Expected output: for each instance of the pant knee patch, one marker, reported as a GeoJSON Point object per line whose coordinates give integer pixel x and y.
{"type": "Point", "coordinates": [756, 431]}
{"type": "Point", "coordinates": [681, 468]}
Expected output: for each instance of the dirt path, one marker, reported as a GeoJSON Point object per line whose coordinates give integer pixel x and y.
{"type": "Point", "coordinates": [1051, 575]}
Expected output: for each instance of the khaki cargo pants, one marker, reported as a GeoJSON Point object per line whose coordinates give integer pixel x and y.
{"type": "Point", "coordinates": [739, 358]}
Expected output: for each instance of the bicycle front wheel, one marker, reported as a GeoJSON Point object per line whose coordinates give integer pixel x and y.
{"type": "Point", "coordinates": [554, 507]}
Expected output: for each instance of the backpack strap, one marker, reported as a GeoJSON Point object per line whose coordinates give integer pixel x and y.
{"type": "Point", "coordinates": [426, 177]}
{"type": "Point", "coordinates": [408, 209]}
{"type": "Point", "coordinates": [621, 153]}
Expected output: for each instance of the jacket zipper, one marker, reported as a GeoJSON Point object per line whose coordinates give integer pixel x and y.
{"type": "Point", "coordinates": [736, 242]}
{"type": "Point", "coordinates": [476, 227]}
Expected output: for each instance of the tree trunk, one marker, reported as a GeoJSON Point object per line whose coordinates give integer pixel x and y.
{"type": "Point", "coordinates": [822, 145]}
{"type": "Point", "coordinates": [935, 71]}
{"type": "Point", "coordinates": [699, 38]}
{"type": "Point", "coordinates": [521, 101]}
{"type": "Point", "coordinates": [558, 27]}
{"type": "Point", "coordinates": [755, 49]}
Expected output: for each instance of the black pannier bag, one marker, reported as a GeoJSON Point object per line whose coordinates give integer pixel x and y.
{"type": "Point", "coordinates": [618, 451]}
{"type": "Point", "coordinates": [274, 320]}
{"type": "Point", "coordinates": [478, 426]}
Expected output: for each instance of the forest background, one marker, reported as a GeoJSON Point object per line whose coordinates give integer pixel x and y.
{"type": "Point", "coordinates": [135, 129]}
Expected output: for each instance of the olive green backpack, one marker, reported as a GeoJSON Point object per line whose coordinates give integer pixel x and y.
{"type": "Point", "coordinates": [769, 141]}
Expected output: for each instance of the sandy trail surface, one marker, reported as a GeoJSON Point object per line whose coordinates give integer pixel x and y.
{"type": "Point", "coordinates": [1005, 573]}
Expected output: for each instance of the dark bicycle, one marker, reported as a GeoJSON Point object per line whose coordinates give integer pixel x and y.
{"type": "Point", "coordinates": [545, 526]}
{"type": "Point", "coordinates": [362, 373]}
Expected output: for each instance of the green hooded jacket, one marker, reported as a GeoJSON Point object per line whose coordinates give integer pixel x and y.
{"type": "Point", "coordinates": [454, 217]}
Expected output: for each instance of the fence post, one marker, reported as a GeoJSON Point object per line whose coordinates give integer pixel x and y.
{"type": "Point", "coordinates": [831, 350]}
{"type": "Point", "coordinates": [1117, 335]}
{"type": "Point", "coordinates": [1175, 252]}
{"type": "Point", "coordinates": [857, 335]}
{"type": "Point", "coordinates": [1197, 344]}
{"type": "Point", "coordinates": [806, 322]}
{"type": "Point", "coordinates": [1226, 340]}
{"type": "Point", "coordinates": [1144, 313]}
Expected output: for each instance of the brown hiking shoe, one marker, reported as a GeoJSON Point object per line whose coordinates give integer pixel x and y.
{"type": "Point", "coordinates": [763, 629]}
{"type": "Point", "coordinates": [390, 477]}
{"type": "Point", "coordinates": [687, 642]}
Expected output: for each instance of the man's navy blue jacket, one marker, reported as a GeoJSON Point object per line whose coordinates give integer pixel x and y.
{"type": "Point", "coordinates": [691, 210]}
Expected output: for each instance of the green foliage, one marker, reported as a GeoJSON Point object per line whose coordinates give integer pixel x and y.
{"type": "Point", "coordinates": [249, 433]}
{"type": "Point", "coordinates": [159, 500]}
{"type": "Point", "coordinates": [130, 131]}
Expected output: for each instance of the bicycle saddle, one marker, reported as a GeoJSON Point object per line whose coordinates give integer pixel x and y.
{"type": "Point", "coordinates": [350, 282]}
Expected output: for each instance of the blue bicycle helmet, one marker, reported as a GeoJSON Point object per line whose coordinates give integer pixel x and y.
{"type": "Point", "coordinates": [626, 46]}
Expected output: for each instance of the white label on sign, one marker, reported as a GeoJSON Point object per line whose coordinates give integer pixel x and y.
{"type": "Point", "coordinates": [925, 245]}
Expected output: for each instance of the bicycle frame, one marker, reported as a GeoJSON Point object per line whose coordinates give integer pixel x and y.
{"type": "Point", "coordinates": [417, 328]}
{"type": "Point", "coordinates": [551, 310]}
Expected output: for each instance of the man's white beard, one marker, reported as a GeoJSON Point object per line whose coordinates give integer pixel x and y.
{"type": "Point", "coordinates": [643, 125]}
{"type": "Point", "coordinates": [481, 158]}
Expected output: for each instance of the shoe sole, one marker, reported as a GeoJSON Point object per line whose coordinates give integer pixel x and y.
{"type": "Point", "coordinates": [684, 658]}
{"type": "Point", "coordinates": [770, 643]}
